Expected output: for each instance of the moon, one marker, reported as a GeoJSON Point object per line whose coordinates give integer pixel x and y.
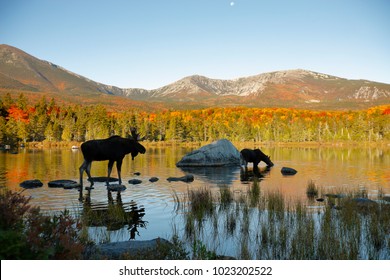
{"type": "Point", "coordinates": [232, 4]}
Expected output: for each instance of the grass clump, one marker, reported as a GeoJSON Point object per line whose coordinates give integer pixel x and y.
{"type": "Point", "coordinates": [265, 225]}
{"type": "Point", "coordinates": [311, 189]}
{"type": "Point", "coordinates": [201, 202]}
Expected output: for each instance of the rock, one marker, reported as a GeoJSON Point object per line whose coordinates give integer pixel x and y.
{"type": "Point", "coordinates": [66, 184]}
{"type": "Point", "coordinates": [336, 195]}
{"type": "Point", "coordinates": [135, 181]}
{"type": "Point", "coordinates": [31, 184]}
{"type": "Point", "coordinates": [104, 179]}
{"type": "Point", "coordinates": [116, 250]}
{"type": "Point", "coordinates": [116, 188]}
{"type": "Point", "coordinates": [137, 173]}
{"type": "Point", "coordinates": [153, 179]}
{"type": "Point", "coordinates": [218, 153]}
{"type": "Point", "coordinates": [186, 179]}
{"type": "Point", "coordinates": [288, 171]}
{"type": "Point", "coordinates": [364, 202]}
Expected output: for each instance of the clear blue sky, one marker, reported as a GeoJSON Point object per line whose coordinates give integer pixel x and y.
{"type": "Point", "coordinates": [150, 43]}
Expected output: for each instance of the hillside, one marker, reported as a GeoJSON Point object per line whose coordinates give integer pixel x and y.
{"type": "Point", "coordinates": [21, 72]}
{"type": "Point", "coordinates": [296, 88]}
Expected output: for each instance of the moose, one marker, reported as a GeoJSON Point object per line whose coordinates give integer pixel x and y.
{"type": "Point", "coordinates": [255, 156]}
{"type": "Point", "coordinates": [113, 149]}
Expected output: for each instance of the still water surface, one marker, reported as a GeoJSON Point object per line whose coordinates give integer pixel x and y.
{"type": "Point", "coordinates": [333, 169]}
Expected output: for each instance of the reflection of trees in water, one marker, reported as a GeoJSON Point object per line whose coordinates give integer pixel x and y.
{"type": "Point", "coordinates": [114, 214]}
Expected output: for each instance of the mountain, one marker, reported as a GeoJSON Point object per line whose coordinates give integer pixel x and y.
{"type": "Point", "coordinates": [18, 67]}
{"type": "Point", "coordinates": [20, 71]}
{"type": "Point", "coordinates": [300, 88]}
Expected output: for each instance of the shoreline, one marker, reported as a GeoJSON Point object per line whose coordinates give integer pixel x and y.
{"type": "Point", "coordinates": [239, 144]}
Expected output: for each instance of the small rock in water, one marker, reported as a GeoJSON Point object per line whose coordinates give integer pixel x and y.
{"type": "Point", "coordinates": [186, 179]}
{"type": "Point", "coordinates": [116, 188]}
{"type": "Point", "coordinates": [103, 179]}
{"type": "Point", "coordinates": [288, 171]}
{"type": "Point", "coordinates": [31, 184]}
{"type": "Point", "coordinates": [137, 173]}
{"type": "Point", "coordinates": [364, 202]}
{"type": "Point", "coordinates": [153, 179]}
{"type": "Point", "coordinates": [135, 181]}
{"type": "Point", "coordinates": [66, 184]}
{"type": "Point", "coordinates": [335, 195]}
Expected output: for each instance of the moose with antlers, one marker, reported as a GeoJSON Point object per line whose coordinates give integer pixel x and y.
{"type": "Point", "coordinates": [113, 149]}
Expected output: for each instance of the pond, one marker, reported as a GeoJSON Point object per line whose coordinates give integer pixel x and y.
{"type": "Point", "coordinates": [152, 204]}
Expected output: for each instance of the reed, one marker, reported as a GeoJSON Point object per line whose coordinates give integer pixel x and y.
{"type": "Point", "coordinates": [265, 225]}
{"type": "Point", "coordinates": [311, 190]}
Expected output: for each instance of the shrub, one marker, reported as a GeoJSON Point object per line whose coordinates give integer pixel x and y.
{"type": "Point", "coordinates": [25, 233]}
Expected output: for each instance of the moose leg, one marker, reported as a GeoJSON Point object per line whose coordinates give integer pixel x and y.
{"type": "Point", "coordinates": [118, 168]}
{"type": "Point", "coordinates": [243, 161]}
{"type": "Point", "coordinates": [88, 171]}
{"type": "Point", "coordinates": [82, 168]}
{"type": "Point", "coordinates": [86, 166]}
{"type": "Point", "coordinates": [110, 164]}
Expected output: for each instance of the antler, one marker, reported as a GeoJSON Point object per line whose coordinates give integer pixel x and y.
{"type": "Point", "coordinates": [134, 134]}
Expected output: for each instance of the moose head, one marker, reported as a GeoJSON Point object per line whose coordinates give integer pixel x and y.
{"type": "Point", "coordinates": [138, 148]}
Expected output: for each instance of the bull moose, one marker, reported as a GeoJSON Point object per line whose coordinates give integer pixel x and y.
{"type": "Point", "coordinates": [255, 156]}
{"type": "Point", "coordinates": [113, 149]}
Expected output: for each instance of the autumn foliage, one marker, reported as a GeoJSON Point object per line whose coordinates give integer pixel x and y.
{"type": "Point", "coordinates": [47, 121]}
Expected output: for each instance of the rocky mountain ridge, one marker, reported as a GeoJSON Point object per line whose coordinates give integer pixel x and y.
{"type": "Point", "coordinates": [293, 88]}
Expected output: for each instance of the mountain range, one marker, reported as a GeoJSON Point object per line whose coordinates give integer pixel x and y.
{"type": "Point", "coordinates": [22, 72]}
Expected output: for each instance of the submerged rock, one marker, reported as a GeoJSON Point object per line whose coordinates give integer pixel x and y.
{"type": "Point", "coordinates": [386, 198]}
{"type": "Point", "coordinates": [103, 179]}
{"type": "Point", "coordinates": [364, 202]}
{"type": "Point", "coordinates": [116, 188]}
{"type": "Point", "coordinates": [135, 181]}
{"type": "Point", "coordinates": [288, 171]}
{"type": "Point", "coordinates": [130, 248]}
{"type": "Point", "coordinates": [31, 184]}
{"type": "Point", "coordinates": [66, 184]}
{"type": "Point", "coordinates": [218, 153]}
{"type": "Point", "coordinates": [153, 179]}
{"type": "Point", "coordinates": [186, 179]}
{"type": "Point", "coordinates": [336, 195]}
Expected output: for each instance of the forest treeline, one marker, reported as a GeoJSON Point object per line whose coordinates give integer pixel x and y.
{"type": "Point", "coordinates": [22, 122]}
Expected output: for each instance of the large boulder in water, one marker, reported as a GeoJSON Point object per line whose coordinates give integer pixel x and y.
{"type": "Point", "coordinates": [218, 153]}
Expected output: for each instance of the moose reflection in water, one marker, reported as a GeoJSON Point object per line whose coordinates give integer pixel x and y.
{"type": "Point", "coordinates": [113, 149]}
{"type": "Point", "coordinates": [113, 215]}
{"type": "Point", "coordinates": [247, 175]}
